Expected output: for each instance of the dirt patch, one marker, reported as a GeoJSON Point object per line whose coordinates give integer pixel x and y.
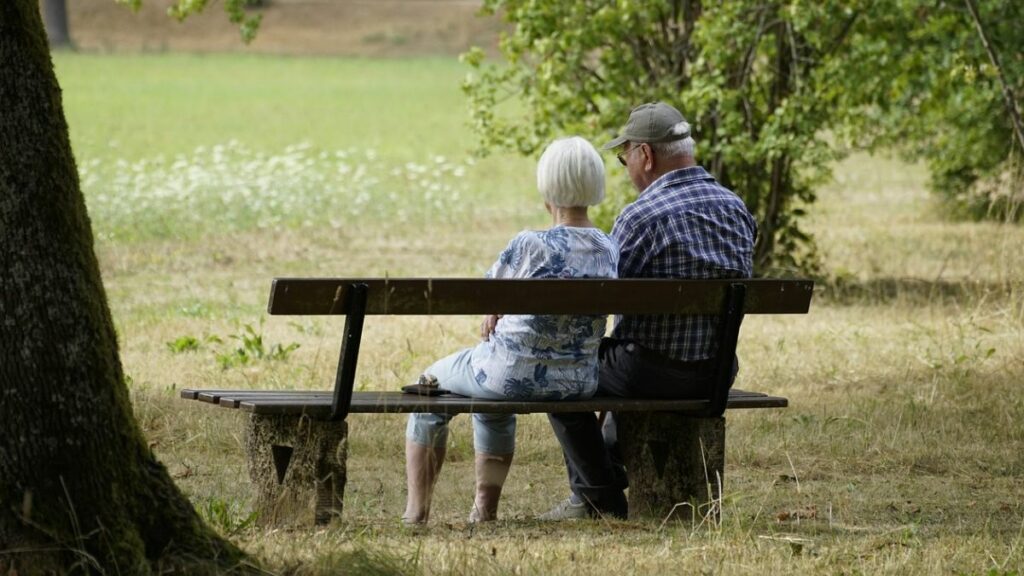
{"type": "Point", "coordinates": [300, 27]}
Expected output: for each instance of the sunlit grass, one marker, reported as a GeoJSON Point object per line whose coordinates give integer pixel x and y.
{"type": "Point", "coordinates": [165, 104]}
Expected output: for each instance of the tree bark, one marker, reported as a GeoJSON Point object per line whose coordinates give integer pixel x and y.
{"type": "Point", "coordinates": [55, 16]}
{"type": "Point", "coordinates": [779, 183]}
{"type": "Point", "coordinates": [80, 492]}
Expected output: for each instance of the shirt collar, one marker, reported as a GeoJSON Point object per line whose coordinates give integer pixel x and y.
{"type": "Point", "coordinates": [678, 178]}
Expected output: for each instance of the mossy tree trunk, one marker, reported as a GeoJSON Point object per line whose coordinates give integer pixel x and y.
{"type": "Point", "coordinates": [80, 492]}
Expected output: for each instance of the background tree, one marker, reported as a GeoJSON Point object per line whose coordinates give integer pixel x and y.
{"type": "Point", "coordinates": [55, 17]}
{"type": "Point", "coordinates": [936, 94]}
{"type": "Point", "coordinates": [750, 76]}
{"type": "Point", "coordinates": [235, 10]}
{"type": "Point", "coordinates": [776, 90]}
{"type": "Point", "coordinates": [80, 491]}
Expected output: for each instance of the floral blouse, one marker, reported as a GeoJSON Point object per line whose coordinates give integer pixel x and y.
{"type": "Point", "coordinates": [547, 357]}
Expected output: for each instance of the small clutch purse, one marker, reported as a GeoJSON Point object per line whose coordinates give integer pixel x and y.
{"type": "Point", "coordinates": [426, 386]}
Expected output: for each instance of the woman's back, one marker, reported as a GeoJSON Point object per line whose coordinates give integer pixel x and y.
{"type": "Point", "coordinates": [544, 356]}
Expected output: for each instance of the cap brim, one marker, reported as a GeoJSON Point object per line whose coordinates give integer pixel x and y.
{"type": "Point", "coordinates": [615, 143]}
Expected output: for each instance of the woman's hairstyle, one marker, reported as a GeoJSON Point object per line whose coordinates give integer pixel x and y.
{"type": "Point", "coordinates": [571, 173]}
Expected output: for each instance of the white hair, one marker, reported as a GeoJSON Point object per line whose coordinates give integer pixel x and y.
{"type": "Point", "coordinates": [571, 173]}
{"type": "Point", "coordinates": [684, 147]}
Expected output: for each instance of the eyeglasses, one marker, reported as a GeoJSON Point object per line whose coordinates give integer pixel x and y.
{"type": "Point", "coordinates": [625, 154]}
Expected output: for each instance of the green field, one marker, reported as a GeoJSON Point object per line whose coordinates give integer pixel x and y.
{"type": "Point", "coordinates": [205, 176]}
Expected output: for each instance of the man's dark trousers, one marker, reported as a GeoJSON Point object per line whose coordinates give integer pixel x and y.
{"type": "Point", "coordinates": [596, 473]}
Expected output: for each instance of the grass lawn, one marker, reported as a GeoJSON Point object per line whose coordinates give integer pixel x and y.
{"type": "Point", "coordinates": [206, 176]}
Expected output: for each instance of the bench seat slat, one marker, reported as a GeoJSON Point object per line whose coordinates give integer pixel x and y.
{"type": "Point", "coordinates": [221, 396]}
{"type": "Point", "coordinates": [455, 296]}
{"type": "Point", "coordinates": [317, 404]}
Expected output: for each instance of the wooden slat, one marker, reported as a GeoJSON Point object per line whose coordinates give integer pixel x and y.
{"type": "Point", "coordinates": [231, 398]}
{"type": "Point", "coordinates": [208, 395]}
{"type": "Point", "coordinates": [449, 296]}
{"type": "Point", "coordinates": [193, 394]}
{"type": "Point", "coordinates": [317, 404]}
{"type": "Point", "coordinates": [235, 401]}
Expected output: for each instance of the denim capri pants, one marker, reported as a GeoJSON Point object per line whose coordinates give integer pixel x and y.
{"type": "Point", "coordinates": [492, 433]}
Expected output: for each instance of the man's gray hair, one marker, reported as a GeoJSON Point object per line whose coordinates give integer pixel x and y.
{"type": "Point", "coordinates": [571, 173]}
{"type": "Point", "coordinates": [684, 147]}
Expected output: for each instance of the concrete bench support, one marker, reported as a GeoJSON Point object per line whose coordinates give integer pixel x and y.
{"type": "Point", "coordinates": [672, 459]}
{"type": "Point", "coordinates": [298, 467]}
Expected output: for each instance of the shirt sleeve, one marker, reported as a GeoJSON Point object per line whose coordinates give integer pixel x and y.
{"type": "Point", "coordinates": [510, 260]}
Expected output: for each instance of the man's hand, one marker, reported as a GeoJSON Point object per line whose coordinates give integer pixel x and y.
{"type": "Point", "coordinates": [487, 326]}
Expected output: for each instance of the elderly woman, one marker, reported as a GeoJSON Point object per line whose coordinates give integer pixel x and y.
{"type": "Point", "coordinates": [522, 357]}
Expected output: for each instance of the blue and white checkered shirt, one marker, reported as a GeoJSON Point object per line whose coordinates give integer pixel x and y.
{"type": "Point", "coordinates": [684, 225]}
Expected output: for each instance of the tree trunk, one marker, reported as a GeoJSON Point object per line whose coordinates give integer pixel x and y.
{"type": "Point", "coordinates": [55, 16]}
{"type": "Point", "coordinates": [780, 184]}
{"type": "Point", "coordinates": [80, 492]}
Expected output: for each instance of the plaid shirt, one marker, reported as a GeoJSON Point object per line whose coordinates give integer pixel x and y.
{"type": "Point", "coordinates": [684, 225]}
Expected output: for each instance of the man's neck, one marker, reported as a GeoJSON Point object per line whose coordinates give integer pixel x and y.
{"type": "Point", "coordinates": [671, 165]}
{"type": "Point", "coordinates": [679, 163]}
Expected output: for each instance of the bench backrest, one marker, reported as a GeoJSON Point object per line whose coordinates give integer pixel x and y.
{"type": "Point", "coordinates": [357, 297]}
{"type": "Point", "coordinates": [451, 296]}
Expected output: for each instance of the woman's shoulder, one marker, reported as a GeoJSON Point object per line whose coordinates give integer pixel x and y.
{"type": "Point", "coordinates": [527, 239]}
{"type": "Point", "coordinates": [600, 235]}
{"type": "Point", "coordinates": [563, 239]}
{"type": "Point", "coordinates": [596, 237]}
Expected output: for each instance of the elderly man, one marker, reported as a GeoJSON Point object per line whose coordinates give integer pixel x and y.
{"type": "Point", "coordinates": [684, 224]}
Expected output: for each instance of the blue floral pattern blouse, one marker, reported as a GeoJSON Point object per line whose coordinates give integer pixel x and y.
{"type": "Point", "coordinates": [545, 357]}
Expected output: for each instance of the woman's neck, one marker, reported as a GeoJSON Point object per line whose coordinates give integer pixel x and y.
{"type": "Point", "coordinates": [575, 216]}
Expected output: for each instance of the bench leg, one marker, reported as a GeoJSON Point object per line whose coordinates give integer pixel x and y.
{"type": "Point", "coordinates": [298, 467]}
{"type": "Point", "coordinates": [675, 464]}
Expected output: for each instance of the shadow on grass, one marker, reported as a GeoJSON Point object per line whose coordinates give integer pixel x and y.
{"type": "Point", "coordinates": [361, 561]}
{"type": "Point", "coordinates": [915, 291]}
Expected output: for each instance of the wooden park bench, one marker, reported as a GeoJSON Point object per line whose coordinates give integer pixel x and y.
{"type": "Point", "coordinates": [674, 450]}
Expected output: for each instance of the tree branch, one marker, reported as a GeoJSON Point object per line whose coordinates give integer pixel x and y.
{"type": "Point", "coordinates": [841, 37]}
{"type": "Point", "coordinates": [1011, 101]}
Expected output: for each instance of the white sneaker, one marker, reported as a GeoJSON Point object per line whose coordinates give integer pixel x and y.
{"type": "Point", "coordinates": [567, 510]}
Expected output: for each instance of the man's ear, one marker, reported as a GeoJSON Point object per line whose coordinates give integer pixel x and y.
{"type": "Point", "coordinates": [649, 160]}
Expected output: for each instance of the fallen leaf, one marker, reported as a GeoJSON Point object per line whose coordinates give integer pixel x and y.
{"type": "Point", "coordinates": [808, 513]}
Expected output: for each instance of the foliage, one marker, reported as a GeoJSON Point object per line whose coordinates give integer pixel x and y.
{"type": "Point", "coordinates": [773, 89]}
{"type": "Point", "coordinates": [227, 517]}
{"type": "Point", "coordinates": [248, 25]}
{"type": "Point", "coordinates": [252, 348]}
{"type": "Point", "coordinates": [934, 94]}
{"type": "Point", "coordinates": [183, 344]}
{"type": "Point", "coordinates": [752, 77]}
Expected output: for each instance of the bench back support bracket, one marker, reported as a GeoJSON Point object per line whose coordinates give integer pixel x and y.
{"type": "Point", "coordinates": [355, 312]}
{"type": "Point", "coordinates": [728, 334]}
